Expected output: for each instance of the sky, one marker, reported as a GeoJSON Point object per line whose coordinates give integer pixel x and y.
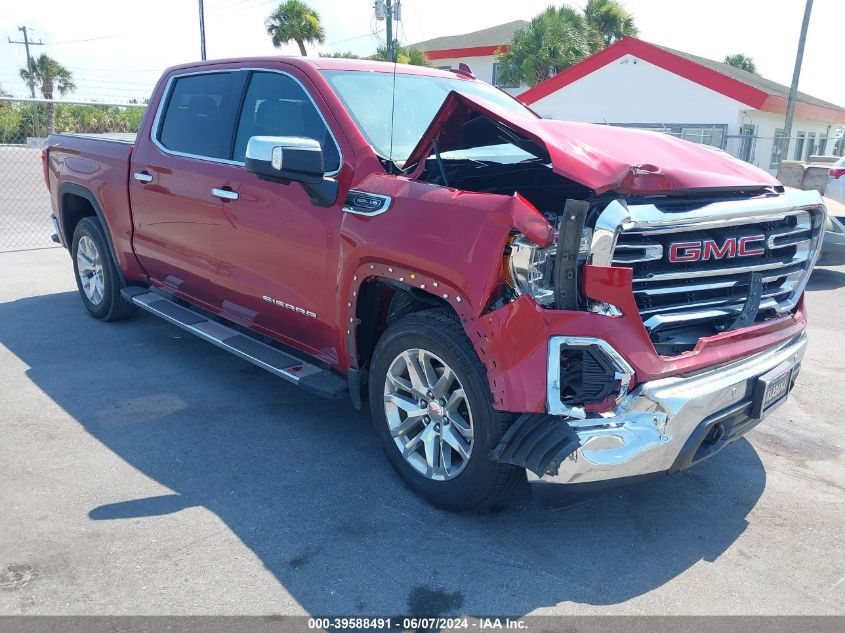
{"type": "Point", "coordinates": [117, 50]}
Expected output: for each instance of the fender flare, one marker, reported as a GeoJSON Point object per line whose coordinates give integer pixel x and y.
{"type": "Point", "coordinates": [71, 188]}
{"type": "Point", "coordinates": [432, 285]}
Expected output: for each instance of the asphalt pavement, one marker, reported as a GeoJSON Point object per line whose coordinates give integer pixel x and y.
{"type": "Point", "coordinates": [147, 472]}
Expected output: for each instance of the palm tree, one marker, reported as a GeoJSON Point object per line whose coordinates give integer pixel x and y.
{"type": "Point", "coordinates": [578, 27]}
{"type": "Point", "coordinates": [743, 62]}
{"type": "Point", "coordinates": [49, 75]}
{"type": "Point", "coordinates": [295, 20]}
{"type": "Point", "coordinates": [553, 41]}
{"type": "Point", "coordinates": [609, 19]}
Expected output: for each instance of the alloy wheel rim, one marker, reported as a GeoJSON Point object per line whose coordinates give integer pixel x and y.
{"type": "Point", "coordinates": [89, 267]}
{"type": "Point", "coordinates": [428, 414]}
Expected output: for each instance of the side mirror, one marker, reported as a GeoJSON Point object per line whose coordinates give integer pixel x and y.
{"type": "Point", "coordinates": [285, 158]}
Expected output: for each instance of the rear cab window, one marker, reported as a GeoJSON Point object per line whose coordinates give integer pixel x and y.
{"type": "Point", "coordinates": [197, 119]}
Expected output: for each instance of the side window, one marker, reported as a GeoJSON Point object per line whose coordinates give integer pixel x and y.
{"type": "Point", "coordinates": [811, 145]}
{"type": "Point", "coordinates": [276, 105]}
{"type": "Point", "coordinates": [194, 120]}
{"type": "Point", "coordinates": [799, 146]}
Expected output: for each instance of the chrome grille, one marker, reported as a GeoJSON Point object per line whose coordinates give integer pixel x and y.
{"type": "Point", "coordinates": [680, 302]}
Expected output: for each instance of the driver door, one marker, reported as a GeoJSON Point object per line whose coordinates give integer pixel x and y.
{"type": "Point", "coordinates": [280, 255]}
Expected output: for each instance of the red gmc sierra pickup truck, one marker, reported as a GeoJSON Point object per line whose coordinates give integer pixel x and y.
{"type": "Point", "coordinates": [516, 298]}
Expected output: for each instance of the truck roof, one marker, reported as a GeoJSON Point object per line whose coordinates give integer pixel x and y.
{"type": "Point", "coordinates": [323, 63]}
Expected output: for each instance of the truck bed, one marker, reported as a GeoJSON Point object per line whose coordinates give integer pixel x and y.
{"type": "Point", "coordinates": [80, 165]}
{"type": "Point", "coordinates": [118, 137]}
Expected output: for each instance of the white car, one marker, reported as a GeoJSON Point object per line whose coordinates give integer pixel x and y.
{"type": "Point", "coordinates": [836, 181]}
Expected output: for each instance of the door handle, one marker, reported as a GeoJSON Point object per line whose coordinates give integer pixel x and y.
{"type": "Point", "coordinates": [224, 194]}
{"type": "Point", "coordinates": [142, 176]}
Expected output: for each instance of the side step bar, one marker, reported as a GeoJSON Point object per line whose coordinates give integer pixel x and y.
{"type": "Point", "coordinates": [319, 381]}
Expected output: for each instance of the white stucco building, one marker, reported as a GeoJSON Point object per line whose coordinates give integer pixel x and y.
{"type": "Point", "coordinates": [634, 83]}
{"type": "Point", "coordinates": [476, 49]}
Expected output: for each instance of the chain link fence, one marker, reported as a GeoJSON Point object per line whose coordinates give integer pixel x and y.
{"type": "Point", "coordinates": [24, 198]}
{"type": "Point", "coordinates": [765, 151]}
{"type": "Point", "coordinates": [25, 201]}
{"type": "Point", "coordinates": [762, 151]}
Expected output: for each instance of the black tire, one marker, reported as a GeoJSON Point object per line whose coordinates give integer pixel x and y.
{"type": "Point", "coordinates": [483, 482]}
{"type": "Point", "coordinates": [113, 306]}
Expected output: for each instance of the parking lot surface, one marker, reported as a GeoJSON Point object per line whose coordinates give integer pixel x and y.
{"type": "Point", "coordinates": [147, 472]}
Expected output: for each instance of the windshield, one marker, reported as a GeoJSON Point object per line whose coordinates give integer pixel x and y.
{"type": "Point", "coordinates": [369, 97]}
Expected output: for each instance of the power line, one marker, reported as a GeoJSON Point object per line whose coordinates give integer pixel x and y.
{"type": "Point", "coordinates": [90, 83]}
{"type": "Point", "coordinates": [29, 70]}
{"type": "Point", "coordinates": [97, 80]}
{"type": "Point", "coordinates": [228, 5]}
{"type": "Point", "coordinates": [27, 44]}
{"type": "Point", "coordinates": [243, 5]}
{"type": "Point", "coordinates": [349, 39]}
{"type": "Point", "coordinates": [121, 70]}
{"type": "Point", "coordinates": [87, 39]}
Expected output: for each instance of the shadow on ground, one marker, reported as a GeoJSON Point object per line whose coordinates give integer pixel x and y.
{"type": "Point", "coordinates": [826, 279]}
{"type": "Point", "coordinates": [303, 483]}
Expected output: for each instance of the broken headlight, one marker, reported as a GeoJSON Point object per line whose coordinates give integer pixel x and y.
{"type": "Point", "coordinates": [530, 270]}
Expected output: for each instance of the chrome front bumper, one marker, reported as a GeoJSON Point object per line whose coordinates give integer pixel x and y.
{"type": "Point", "coordinates": [652, 428]}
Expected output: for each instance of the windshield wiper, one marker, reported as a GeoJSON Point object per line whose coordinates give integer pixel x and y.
{"type": "Point", "coordinates": [436, 147]}
{"type": "Point", "coordinates": [390, 166]}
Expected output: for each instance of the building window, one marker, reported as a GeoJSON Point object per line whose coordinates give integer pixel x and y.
{"type": "Point", "coordinates": [777, 146]}
{"type": "Point", "coordinates": [496, 79]}
{"type": "Point", "coordinates": [703, 135]}
{"type": "Point", "coordinates": [799, 146]}
{"type": "Point", "coordinates": [822, 144]}
{"type": "Point", "coordinates": [811, 145]}
{"type": "Point", "coordinates": [743, 144]}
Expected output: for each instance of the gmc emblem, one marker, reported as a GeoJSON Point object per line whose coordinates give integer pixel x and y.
{"type": "Point", "coordinates": [703, 250]}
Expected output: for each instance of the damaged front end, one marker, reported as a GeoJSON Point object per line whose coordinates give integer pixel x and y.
{"type": "Point", "coordinates": [662, 427]}
{"type": "Point", "coordinates": [653, 283]}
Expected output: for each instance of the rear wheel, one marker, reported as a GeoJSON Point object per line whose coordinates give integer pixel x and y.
{"type": "Point", "coordinates": [96, 274]}
{"type": "Point", "coordinates": [432, 408]}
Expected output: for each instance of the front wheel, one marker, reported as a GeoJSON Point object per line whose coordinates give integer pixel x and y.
{"type": "Point", "coordinates": [96, 274]}
{"type": "Point", "coordinates": [432, 408]}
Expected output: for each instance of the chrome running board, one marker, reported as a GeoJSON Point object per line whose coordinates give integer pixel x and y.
{"type": "Point", "coordinates": [319, 381]}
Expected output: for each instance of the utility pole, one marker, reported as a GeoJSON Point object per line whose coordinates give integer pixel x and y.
{"type": "Point", "coordinates": [202, 31]}
{"type": "Point", "coordinates": [793, 89]}
{"type": "Point", "coordinates": [388, 29]}
{"type": "Point", "coordinates": [390, 11]}
{"type": "Point", "coordinates": [29, 67]}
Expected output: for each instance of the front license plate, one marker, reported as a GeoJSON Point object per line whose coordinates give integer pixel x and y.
{"type": "Point", "coordinates": [771, 390]}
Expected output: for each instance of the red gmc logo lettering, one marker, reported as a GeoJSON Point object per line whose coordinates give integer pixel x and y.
{"type": "Point", "coordinates": [703, 250]}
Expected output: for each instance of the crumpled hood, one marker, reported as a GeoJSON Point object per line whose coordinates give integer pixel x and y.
{"type": "Point", "coordinates": [600, 157]}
